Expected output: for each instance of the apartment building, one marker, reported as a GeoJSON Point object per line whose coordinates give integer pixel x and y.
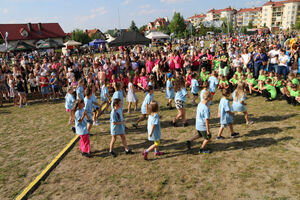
{"type": "Point", "coordinates": [218, 14]}
{"type": "Point", "coordinates": [280, 14]}
{"type": "Point", "coordinates": [196, 19]}
{"type": "Point", "coordinates": [245, 15]}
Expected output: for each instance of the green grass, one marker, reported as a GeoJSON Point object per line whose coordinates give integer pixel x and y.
{"type": "Point", "coordinates": [261, 164]}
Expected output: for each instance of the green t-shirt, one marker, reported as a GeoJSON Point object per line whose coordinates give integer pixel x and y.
{"type": "Point", "coordinates": [234, 80]}
{"type": "Point", "coordinates": [238, 74]}
{"type": "Point", "coordinates": [295, 81]}
{"type": "Point", "coordinates": [279, 84]}
{"type": "Point", "coordinates": [223, 82]}
{"type": "Point", "coordinates": [203, 76]}
{"type": "Point", "coordinates": [262, 78]}
{"type": "Point", "coordinates": [216, 63]}
{"type": "Point", "coordinates": [272, 91]}
{"type": "Point", "coordinates": [257, 86]}
{"type": "Point", "coordinates": [252, 81]}
{"type": "Point", "coordinates": [249, 73]}
{"type": "Point", "coordinates": [295, 93]}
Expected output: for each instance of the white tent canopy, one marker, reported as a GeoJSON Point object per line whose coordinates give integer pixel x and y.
{"type": "Point", "coordinates": [110, 38]}
{"type": "Point", "coordinates": [157, 35]}
{"type": "Point", "coordinates": [72, 43]}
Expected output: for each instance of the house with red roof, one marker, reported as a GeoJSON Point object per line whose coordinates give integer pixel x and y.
{"type": "Point", "coordinates": [196, 19]}
{"type": "Point", "coordinates": [95, 32]}
{"type": "Point", "coordinates": [161, 21]}
{"type": "Point", "coordinates": [31, 33]}
{"type": "Point", "coordinates": [217, 14]}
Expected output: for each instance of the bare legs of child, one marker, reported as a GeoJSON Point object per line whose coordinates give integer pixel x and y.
{"type": "Point", "coordinates": [124, 142]}
{"type": "Point", "coordinates": [181, 114]}
{"type": "Point", "coordinates": [233, 134]}
{"type": "Point", "coordinates": [139, 120]}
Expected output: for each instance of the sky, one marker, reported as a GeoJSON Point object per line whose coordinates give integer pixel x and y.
{"type": "Point", "coordinates": [103, 14]}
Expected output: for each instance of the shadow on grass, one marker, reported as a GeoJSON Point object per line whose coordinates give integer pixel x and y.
{"type": "Point", "coordinates": [120, 149]}
{"type": "Point", "coordinates": [4, 111]}
{"type": "Point", "coordinates": [270, 130]}
{"type": "Point", "coordinates": [248, 144]}
{"type": "Point", "coordinates": [240, 119]}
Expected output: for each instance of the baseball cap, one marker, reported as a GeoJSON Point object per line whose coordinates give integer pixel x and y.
{"type": "Point", "coordinates": [169, 75]}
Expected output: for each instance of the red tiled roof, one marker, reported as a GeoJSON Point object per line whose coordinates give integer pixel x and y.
{"type": "Point", "coordinates": [197, 16]}
{"type": "Point", "coordinates": [221, 10]}
{"type": "Point", "coordinates": [48, 30]}
{"type": "Point", "coordinates": [249, 9]}
{"type": "Point", "coordinates": [279, 3]}
{"type": "Point", "coordinates": [92, 32]}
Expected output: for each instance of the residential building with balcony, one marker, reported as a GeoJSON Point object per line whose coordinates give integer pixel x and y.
{"type": "Point", "coordinates": [196, 19]}
{"type": "Point", "coordinates": [246, 15]}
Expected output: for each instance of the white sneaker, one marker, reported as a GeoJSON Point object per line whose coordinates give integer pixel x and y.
{"type": "Point", "coordinates": [96, 123]}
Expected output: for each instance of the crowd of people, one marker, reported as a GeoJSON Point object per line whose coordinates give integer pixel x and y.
{"type": "Point", "coordinates": [237, 65]}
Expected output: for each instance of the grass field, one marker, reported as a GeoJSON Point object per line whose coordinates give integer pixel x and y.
{"type": "Point", "coordinates": [261, 164]}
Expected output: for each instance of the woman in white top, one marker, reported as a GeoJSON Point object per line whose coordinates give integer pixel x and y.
{"type": "Point", "coordinates": [246, 58]}
{"type": "Point", "coordinates": [282, 63]}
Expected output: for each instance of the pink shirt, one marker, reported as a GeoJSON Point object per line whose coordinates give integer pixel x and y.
{"type": "Point", "coordinates": [189, 79]}
{"type": "Point", "coordinates": [144, 81]}
{"type": "Point", "coordinates": [171, 63]}
{"type": "Point", "coordinates": [149, 66]}
{"type": "Point", "coordinates": [178, 62]}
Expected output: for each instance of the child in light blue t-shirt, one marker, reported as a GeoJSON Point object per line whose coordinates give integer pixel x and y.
{"type": "Point", "coordinates": [117, 127]}
{"type": "Point", "coordinates": [180, 99]}
{"type": "Point", "coordinates": [146, 103]}
{"type": "Point", "coordinates": [118, 94]}
{"type": "Point", "coordinates": [104, 96]}
{"type": "Point", "coordinates": [213, 83]}
{"type": "Point", "coordinates": [194, 88]}
{"type": "Point", "coordinates": [226, 115]}
{"type": "Point", "coordinates": [170, 94]}
{"type": "Point", "coordinates": [69, 104]}
{"type": "Point", "coordinates": [202, 124]}
{"type": "Point", "coordinates": [154, 130]}
{"type": "Point", "coordinates": [80, 90]}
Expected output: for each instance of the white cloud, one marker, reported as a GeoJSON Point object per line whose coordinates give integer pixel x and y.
{"type": "Point", "coordinates": [145, 6]}
{"type": "Point", "coordinates": [126, 2]}
{"type": "Point", "coordinates": [4, 10]}
{"type": "Point", "coordinates": [254, 3]}
{"type": "Point", "coordinates": [99, 11]}
{"type": "Point", "coordinates": [172, 1]}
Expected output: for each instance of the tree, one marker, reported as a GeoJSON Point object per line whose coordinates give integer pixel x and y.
{"type": "Point", "coordinates": [250, 24]}
{"type": "Point", "coordinates": [202, 30]}
{"type": "Point", "coordinates": [265, 25]}
{"type": "Point", "coordinates": [297, 26]}
{"type": "Point", "coordinates": [164, 29]}
{"type": "Point", "coordinates": [98, 35]}
{"type": "Point", "coordinates": [80, 36]}
{"type": "Point", "coordinates": [244, 30]}
{"type": "Point", "coordinates": [142, 28]}
{"type": "Point", "coordinates": [133, 26]}
{"type": "Point", "coordinates": [177, 25]}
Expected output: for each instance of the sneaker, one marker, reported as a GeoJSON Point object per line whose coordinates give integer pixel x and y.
{"type": "Point", "coordinates": [96, 123]}
{"type": "Point", "coordinates": [220, 138]}
{"type": "Point", "coordinates": [188, 144]}
{"type": "Point", "coordinates": [250, 122]}
{"type": "Point", "coordinates": [204, 151]}
{"type": "Point", "coordinates": [135, 125]}
{"type": "Point", "coordinates": [27, 104]}
{"type": "Point", "coordinates": [159, 153]}
{"type": "Point", "coordinates": [234, 135]}
{"type": "Point", "coordinates": [185, 124]}
{"type": "Point", "coordinates": [86, 154]}
{"type": "Point", "coordinates": [174, 124]}
{"type": "Point", "coordinates": [21, 106]}
{"type": "Point", "coordinates": [73, 129]}
{"type": "Point", "coordinates": [168, 104]}
{"type": "Point", "coordinates": [113, 154]}
{"type": "Point", "coordinates": [129, 151]}
{"type": "Point", "coordinates": [145, 154]}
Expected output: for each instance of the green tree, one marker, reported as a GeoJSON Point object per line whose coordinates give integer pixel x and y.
{"type": "Point", "coordinates": [133, 26]}
{"type": "Point", "coordinates": [297, 26]}
{"type": "Point", "coordinates": [265, 25]}
{"type": "Point", "coordinates": [177, 25]}
{"type": "Point", "coordinates": [202, 30]}
{"type": "Point", "coordinates": [142, 28]}
{"type": "Point", "coordinates": [164, 29]}
{"type": "Point", "coordinates": [80, 36]}
{"type": "Point", "coordinates": [244, 30]}
{"type": "Point", "coordinates": [250, 24]}
{"type": "Point", "coordinates": [98, 35]}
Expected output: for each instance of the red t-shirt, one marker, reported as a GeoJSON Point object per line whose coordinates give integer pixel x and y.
{"type": "Point", "coordinates": [44, 81]}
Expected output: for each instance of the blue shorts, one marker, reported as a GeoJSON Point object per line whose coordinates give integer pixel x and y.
{"type": "Point", "coordinates": [45, 90]}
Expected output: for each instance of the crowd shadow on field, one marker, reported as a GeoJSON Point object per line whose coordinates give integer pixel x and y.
{"type": "Point", "coordinates": [240, 119]}
{"type": "Point", "coordinates": [269, 130]}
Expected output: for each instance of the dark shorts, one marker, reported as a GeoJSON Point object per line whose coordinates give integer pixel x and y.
{"type": "Point", "coordinates": [204, 135]}
{"type": "Point", "coordinates": [195, 95]}
{"type": "Point", "coordinates": [179, 104]}
{"type": "Point", "coordinates": [90, 121]}
{"type": "Point", "coordinates": [33, 89]}
{"type": "Point", "coordinates": [55, 89]}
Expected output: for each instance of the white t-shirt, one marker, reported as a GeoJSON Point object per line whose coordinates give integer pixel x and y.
{"type": "Point", "coordinates": [32, 82]}
{"type": "Point", "coordinates": [283, 60]}
{"type": "Point", "coordinates": [202, 44]}
{"type": "Point", "coordinates": [246, 58]}
{"type": "Point", "coordinates": [273, 58]}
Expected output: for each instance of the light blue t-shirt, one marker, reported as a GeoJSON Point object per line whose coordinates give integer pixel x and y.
{"type": "Point", "coordinates": [203, 113]}
{"type": "Point", "coordinates": [154, 120]}
{"type": "Point", "coordinates": [147, 100]}
{"type": "Point", "coordinates": [80, 92]}
{"type": "Point", "coordinates": [88, 106]}
{"type": "Point", "coordinates": [201, 97]}
{"type": "Point", "coordinates": [224, 106]}
{"type": "Point", "coordinates": [117, 95]}
{"type": "Point", "coordinates": [181, 95]}
{"type": "Point", "coordinates": [213, 82]}
{"type": "Point", "coordinates": [94, 100]}
{"type": "Point", "coordinates": [195, 86]}
{"type": "Point", "coordinates": [169, 92]}
{"type": "Point", "coordinates": [104, 91]}
{"type": "Point", "coordinates": [81, 128]}
{"type": "Point", "coordinates": [69, 104]}
{"type": "Point", "coordinates": [237, 106]}
{"type": "Point", "coordinates": [116, 116]}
